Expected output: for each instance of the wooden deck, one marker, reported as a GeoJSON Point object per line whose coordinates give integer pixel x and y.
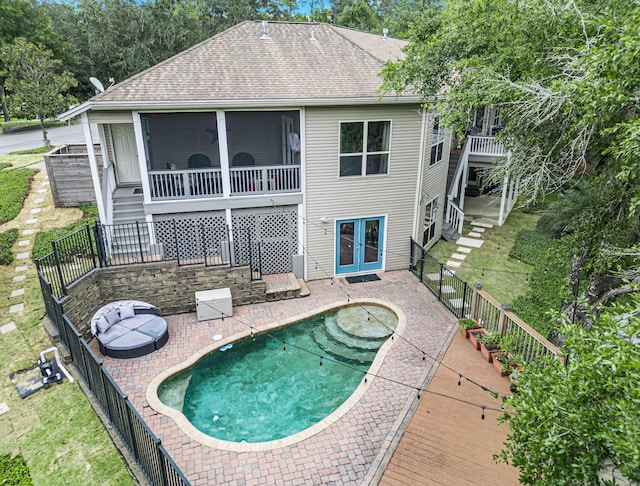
{"type": "Point", "coordinates": [446, 441]}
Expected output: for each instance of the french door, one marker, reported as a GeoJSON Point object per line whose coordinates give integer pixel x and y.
{"type": "Point", "coordinates": [359, 244]}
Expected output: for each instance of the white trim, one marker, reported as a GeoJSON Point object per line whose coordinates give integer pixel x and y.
{"type": "Point", "coordinates": [223, 151]}
{"type": "Point", "coordinates": [142, 157]}
{"type": "Point", "coordinates": [364, 153]}
{"type": "Point", "coordinates": [93, 165]}
{"type": "Point", "coordinates": [385, 217]}
{"type": "Point", "coordinates": [420, 177]}
{"type": "Point", "coordinates": [302, 208]}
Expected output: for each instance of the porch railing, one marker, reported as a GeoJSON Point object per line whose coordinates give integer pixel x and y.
{"type": "Point", "coordinates": [455, 215]}
{"type": "Point", "coordinates": [485, 146]}
{"type": "Point", "coordinates": [464, 300]}
{"type": "Point", "coordinates": [200, 183]}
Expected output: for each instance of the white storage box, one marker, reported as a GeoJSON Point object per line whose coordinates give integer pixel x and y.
{"type": "Point", "coordinates": [213, 304]}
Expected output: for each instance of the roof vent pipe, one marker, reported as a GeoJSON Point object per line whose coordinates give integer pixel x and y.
{"type": "Point", "coordinates": [313, 35]}
{"type": "Point", "coordinates": [385, 31]}
{"type": "Point", "coordinates": [264, 35]}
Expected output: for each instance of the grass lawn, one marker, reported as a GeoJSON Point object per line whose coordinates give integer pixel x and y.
{"type": "Point", "coordinates": [56, 431]}
{"type": "Point", "coordinates": [502, 276]}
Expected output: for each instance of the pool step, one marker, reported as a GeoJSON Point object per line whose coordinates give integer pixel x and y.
{"type": "Point", "coordinates": [341, 351]}
{"type": "Point", "coordinates": [348, 339]}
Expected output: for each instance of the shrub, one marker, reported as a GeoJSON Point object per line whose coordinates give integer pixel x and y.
{"type": "Point", "coordinates": [15, 186]}
{"type": "Point", "coordinates": [14, 471]}
{"type": "Point", "coordinates": [4, 165]}
{"type": "Point", "coordinates": [531, 246]}
{"type": "Point", "coordinates": [7, 239]}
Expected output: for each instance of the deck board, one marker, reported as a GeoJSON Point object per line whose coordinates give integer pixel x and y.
{"type": "Point", "coordinates": [446, 441]}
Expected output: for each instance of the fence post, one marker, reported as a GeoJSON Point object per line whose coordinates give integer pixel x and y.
{"type": "Point", "coordinates": [161, 464]}
{"type": "Point", "coordinates": [422, 253]}
{"type": "Point", "coordinates": [464, 297]}
{"type": "Point", "coordinates": [474, 302]}
{"type": "Point", "coordinates": [440, 282]}
{"type": "Point", "coordinates": [140, 241]}
{"type": "Point", "coordinates": [504, 308]}
{"type": "Point", "coordinates": [57, 259]}
{"type": "Point", "coordinates": [93, 255]}
{"type": "Point", "coordinates": [100, 250]}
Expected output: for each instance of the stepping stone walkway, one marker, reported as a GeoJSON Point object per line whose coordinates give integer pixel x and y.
{"type": "Point", "coordinates": [466, 243]}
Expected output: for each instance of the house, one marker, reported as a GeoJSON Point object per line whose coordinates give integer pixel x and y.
{"type": "Point", "coordinates": [271, 141]}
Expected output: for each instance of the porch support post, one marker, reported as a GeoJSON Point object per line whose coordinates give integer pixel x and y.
{"type": "Point", "coordinates": [463, 182]}
{"type": "Point", "coordinates": [142, 158]}
{"type": "Point", "coordinates": [93, 165]}
{"type": "Point", "coordinates": [223, 148]}
{"type": "Point", "coordinates": [505, 185]}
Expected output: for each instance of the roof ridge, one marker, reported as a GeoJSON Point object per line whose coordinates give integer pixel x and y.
{"type": "Point", "coordinates": [169, 59]}
{"type": "Point", "coordinates": [337, 28]}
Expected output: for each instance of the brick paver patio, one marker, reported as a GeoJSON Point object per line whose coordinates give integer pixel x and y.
{"type": "Point", "coordinates": [348, 452]}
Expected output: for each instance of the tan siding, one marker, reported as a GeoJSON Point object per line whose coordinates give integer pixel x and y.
{"type": "Point", "coordinates": [332, 197]}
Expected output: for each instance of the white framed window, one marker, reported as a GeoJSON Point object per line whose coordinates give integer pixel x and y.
{"type": "Point", "coordinates": [430, 219]}
{"type": "Point", "coordinates": [437, 141]}
{"type": "Point", "coordinates": [364, 148]}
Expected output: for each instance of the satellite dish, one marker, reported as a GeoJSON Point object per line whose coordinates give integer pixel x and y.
{"type": "Point", "coordinates": [96, 82]}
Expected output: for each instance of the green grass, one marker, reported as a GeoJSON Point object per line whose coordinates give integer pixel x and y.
{"type": "Point", "coordinates": [37, 150]}
{"type": "Point", "coordinates": [14, 186]}
{"type": "Point", "coordinates": [43, 239]}
{"type": "Point", "coordinates": [14, 471]}
{"type": "Point", "coordinates": [17, 160]}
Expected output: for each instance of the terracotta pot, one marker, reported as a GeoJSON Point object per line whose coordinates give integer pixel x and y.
{"type": "Point", "coordinates": [497, 365]}
{"type": "Point", "coordinates": [488, 352]}
{"type": "Point", "coordinates": [472, 337]}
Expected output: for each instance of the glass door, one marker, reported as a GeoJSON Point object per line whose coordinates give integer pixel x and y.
{"type": "Point", "coordinates": [359, 245]}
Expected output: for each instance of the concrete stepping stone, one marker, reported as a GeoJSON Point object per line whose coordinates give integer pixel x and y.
{"type": "Point", "coordinates": [31, 221]}
{"type": "Point", "coordinates": [42, 191]}
{"type": "Point", "coordinates": [453, 264]}
{"type": "Point", "coordinates": [473, 234]}
{"type": "Point", "coordinates": [448, 289]}
{"type": "Point", "coordinates": [19, 278]}
{"type": "Point", "coordinates": [458, 256]}
{"type": "Point", "coordinates": [481, 225]}
{"type": "Point", "coordinates": [28, 232]}
{"type": "Point", "coordinates": [457, 303]}
{"type": "Point", "coordinates": [471, 242]}
{"type": "Point", "coordinates": [4, 408]}
{"type": "Point", "coordinates": [35, 210]}
{"type": "Point", "coordinates": [39, 200]}
{"type": "Point", "coordinates": [462, 249]}
{"type": "Point", "coordinates": [45, 183]}
{"type": "Point", "coordinates": [24, 242]}
{"type": "Point", "coordinates": [17, 293]}
{"type": "Point", "coordinates": [433, 276]}
{"type": "Point", "coordinates": [11, 326]}
{"type": "Point", "coordinates": [479, 229]}
{"type": "Point", "coordinates": [16, 308]}
{"type": "Point", "coordinates": [22, 256]}
{"type": "Point", "coordinates": [21, 269]}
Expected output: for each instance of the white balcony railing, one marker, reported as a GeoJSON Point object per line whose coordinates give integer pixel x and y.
{"type": "Point", "coordinates": [201, 183]}
{"type": "Point", "coordinates": [485, 146]}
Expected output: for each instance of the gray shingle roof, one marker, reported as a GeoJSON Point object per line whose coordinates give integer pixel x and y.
{"type": "Point", "coordinates": [237, 64]}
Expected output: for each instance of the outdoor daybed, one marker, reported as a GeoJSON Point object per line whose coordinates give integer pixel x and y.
{"type": "Point", "coordinates": [129, 328]}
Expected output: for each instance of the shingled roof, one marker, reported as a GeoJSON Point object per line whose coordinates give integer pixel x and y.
{"type": "Point", "coordinates": [299, 62]}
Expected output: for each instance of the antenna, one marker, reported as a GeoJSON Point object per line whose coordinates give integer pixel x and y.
{"type": "Point", "coordinates": [264, 35]}
{"type": "Point", "coordinates": [98, 85]}
{"type": "Point", "coordinates": [385, 31]}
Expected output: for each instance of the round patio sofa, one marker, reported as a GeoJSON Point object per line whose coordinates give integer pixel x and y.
{"type": "Point", "coordinates": [129, 329]}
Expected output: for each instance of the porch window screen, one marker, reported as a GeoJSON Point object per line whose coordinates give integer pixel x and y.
{"type": "Point", "coordinates": [364, 148]}
{"type": "Point", "coordinates": [437, 141]}
{"type": "Point", "coordinates": [181, 141]}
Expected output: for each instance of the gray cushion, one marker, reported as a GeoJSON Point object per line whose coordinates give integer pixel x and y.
{"type": "Point", "coordinates": [136, 321]}
{"type": "Point", "coordinates": [156, 327]}
{"type": "Point", "coordinates": [114, 332]}
{"type": "Point", "coordinates": [131, 340]}
{"type": "Point", "coordinates": [112, 316]}
{"type": "Point", "coordinates": [102, 325]}
{"type": "Point", "coordinates": [127, 311]}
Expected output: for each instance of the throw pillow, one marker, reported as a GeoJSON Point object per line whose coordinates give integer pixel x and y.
{"type": "Point", "coordinates": [112, 316]}
{"type": "Point", "coordinates": [127, 311]}
{"type": "Point", "coordinates": [102, 324]}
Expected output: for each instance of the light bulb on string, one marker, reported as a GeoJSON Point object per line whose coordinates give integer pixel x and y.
{"type": "Point", "coordinates": [483, 408]}
{"type": "Point", "coordinates": [459, 379]}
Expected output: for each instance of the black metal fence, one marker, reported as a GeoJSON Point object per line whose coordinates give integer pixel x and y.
{"type": "Point", "coordinates": [450, 289]}
{"type": "Point", "coordinates": [146, 449]}
{"type": "Point", "coordinates": [75, 255]}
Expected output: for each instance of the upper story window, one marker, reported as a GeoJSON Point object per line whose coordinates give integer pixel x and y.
{"type": "Point", "coordinates": [437, 141]}
{"type": "Point", "coordinates": [364, 148]}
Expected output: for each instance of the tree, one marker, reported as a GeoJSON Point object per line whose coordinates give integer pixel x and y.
{"type": "Point", "coordinates": [37, 83]}
{"type": "Point", "coordinates": [565, 76]}
{"type": "Point", "coordinates": [27, 18]}
{"type": "Point", "coordinates": [571, 422]}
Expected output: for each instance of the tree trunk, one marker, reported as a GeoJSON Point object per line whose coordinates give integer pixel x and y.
{"type": "Point", "coordinates": [5, 109]}
{"type": "Point", "coordinates": [45, 139]}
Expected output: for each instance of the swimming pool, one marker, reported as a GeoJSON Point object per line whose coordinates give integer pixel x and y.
{"type": "Point", "coordinates": [280, 384]}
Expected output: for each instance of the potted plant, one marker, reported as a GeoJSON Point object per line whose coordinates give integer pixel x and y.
{"type": "Point", "coordinates": [504, 362]}
{"type": "Point", "coordinates": [489, 344]}
{"type": "Point", "coordinates": [467, 324]}
{"type": "Point", "coordinates": [473, 337]}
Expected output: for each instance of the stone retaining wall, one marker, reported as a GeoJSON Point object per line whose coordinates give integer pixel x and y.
{"type": "Point", "coordinates": [164, 284]}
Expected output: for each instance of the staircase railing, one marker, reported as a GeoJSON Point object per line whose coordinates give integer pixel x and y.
{"type": "Point", "coordinates": [455, 215]}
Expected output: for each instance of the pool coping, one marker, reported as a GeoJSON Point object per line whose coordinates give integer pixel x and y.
{"type": "Point", "coordinates": [183, 423]}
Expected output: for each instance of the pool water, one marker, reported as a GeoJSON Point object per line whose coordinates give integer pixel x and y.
{"type": "Point", "coordinates": [261, 389]}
